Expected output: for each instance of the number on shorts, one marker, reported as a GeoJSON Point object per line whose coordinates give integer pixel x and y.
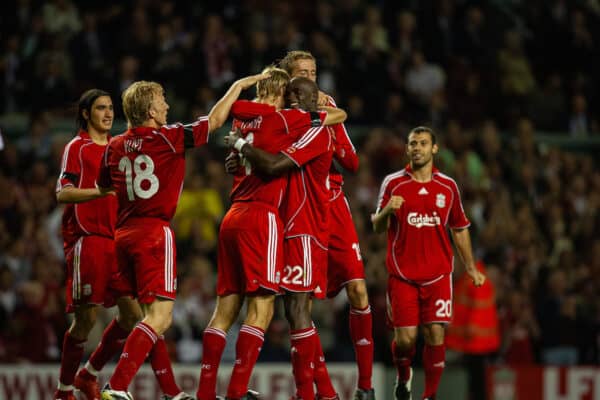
{"type": "Point", "coordinates": [444, 308]}
{"type": "Point", "coordinates": [136, 174]}
{"type": "Point", "coordinates": [356, 248]}
{"type": "Point", "coordinates": [292, 275]}
{"type": "Point", "coordinates": [243, 160]}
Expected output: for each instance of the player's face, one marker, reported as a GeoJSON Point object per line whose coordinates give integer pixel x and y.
{"type": "Point", "coordinates": [159, 109]}
{"type": "Point", "coordinates": [101, 116]}
{"type": "Point", "coordinates": [420, 149]}
{"type": "Point", "coordinates": [305, 68]}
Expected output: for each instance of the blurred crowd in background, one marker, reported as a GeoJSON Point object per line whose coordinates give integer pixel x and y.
{"type": "Point", "coordinates": [486, 75]}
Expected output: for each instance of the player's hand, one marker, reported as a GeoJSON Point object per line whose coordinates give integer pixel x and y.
{"type": "Point", "coordinates": [477, 276]}
{"type": "Point", "coordinates": [232, 137]}
{"type": "Point", "coordinates": [232, 163]}
{"type": "Point", "coordinates": [323, 99]}
{"type": "Point", "coordinates": [395, 203]}
{"type": "Point", "coordinates": [251, 80]}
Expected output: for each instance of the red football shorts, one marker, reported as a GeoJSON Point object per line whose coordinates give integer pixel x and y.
{"type": "Point", "coordinates": [250, 254]}
{"type": "Point", "coordinates": [146, 255]}
{"type": "Point", "coordinates": [92, 273]}
{"type": "Point", "coordinates": [409, 304]}
{"type": "Point", "coordinates": [305, 267]}
{"type": "Point", "coordinates": [344, 262]}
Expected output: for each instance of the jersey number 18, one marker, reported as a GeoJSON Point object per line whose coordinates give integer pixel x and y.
{"type": "Point", "coordinates": [142, 170]}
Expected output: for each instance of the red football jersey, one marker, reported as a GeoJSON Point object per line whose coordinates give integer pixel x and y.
{"type": "Point", "coordinates": [305, 210]}
{"type": "Point", "coordinates": [79, 168]}
{"type": "Point", "coordinates": [344, 153]}
{"type": "Point", "coordinates": [272, 131]}
{"type": "Point", "coordinates": [419, 246]}
{"type": "Point", "coordinates": [146, 167]}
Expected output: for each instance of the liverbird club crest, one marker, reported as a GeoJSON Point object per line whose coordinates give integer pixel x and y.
{"type": "Point", "coordinates": [440, 200]}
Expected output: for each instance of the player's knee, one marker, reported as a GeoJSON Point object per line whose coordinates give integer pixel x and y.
{"type": "Point", "coordinates": [260, 312]}
{"type": "Point", "coordinates": [83, 323]}
{"type": "Point", "coordinates": [128, 321]}
{"type": "Point", "coordinates": [405, 340]}
{"type": "Point", "coordinates": [433, 334]}
{"type": "Point", "coordinates": [357, 294]}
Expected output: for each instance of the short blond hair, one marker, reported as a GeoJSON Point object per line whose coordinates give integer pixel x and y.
{"type": "Point", "coordinates": [137, 100]}
{"type": "Point", "coordinates": [291, 57]}
{"type": "Point", "coordinates": [274, 85]}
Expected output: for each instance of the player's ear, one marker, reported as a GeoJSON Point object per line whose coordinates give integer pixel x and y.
{"type": "Point", "coordinates": [85, 114]}
{"type": "Point", "coordinates": [435, 149]}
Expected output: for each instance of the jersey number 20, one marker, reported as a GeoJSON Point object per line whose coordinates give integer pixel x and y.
{"type": "Point", "coordinates": [142, 170]}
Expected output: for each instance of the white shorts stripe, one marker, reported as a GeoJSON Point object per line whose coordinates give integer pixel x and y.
{"type": "Point", "coordinates": [307, 260]}
{"type": "Point", "coordinates": [168, 260]}
{"type": "Point", "coordinates": [77, 269]}
{"type": "Point", "coordinates": [272, 248]}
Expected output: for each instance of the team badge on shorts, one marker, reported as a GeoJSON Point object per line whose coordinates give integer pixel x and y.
{"type": "Point", "coordinates": [440, 200]}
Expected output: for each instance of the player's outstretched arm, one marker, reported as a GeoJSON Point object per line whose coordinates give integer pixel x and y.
{"type": "Point", "coordinates": [334, 115]}
{"type": "Point", "coordinates": [270, 164]}
{"type": "Point", "coordinates": [70, 194]}
{"type": "Point", "coordinates": [462, 240]}
{"type": "Point", "coordinates": [220, 111]}
{"type": "Point", "coordinates": [381, 219]}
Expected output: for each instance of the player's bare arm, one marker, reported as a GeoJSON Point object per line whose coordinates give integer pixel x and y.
{"type": "Point", "coordinates": [70, 194]}
{"type": "Point", "coordinates": [270, 164]}
{"type": "Point", "coordinates": [220, 111]}
{"type": "Point", "coordinates": [323, 99]}
{"type": "Point", "coordinates": [334, 115]}
{"type": "Point", "coordinates": [462, 240]}
{"type": "Point", "coordinates": [381, 220]}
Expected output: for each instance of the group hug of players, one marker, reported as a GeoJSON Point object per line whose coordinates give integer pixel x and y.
{"type": "Point", "coordinates": [289, 232]}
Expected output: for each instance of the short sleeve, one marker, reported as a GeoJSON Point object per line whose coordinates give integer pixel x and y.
{"type": "Point", "coordinates": [185, 136]}
{"type": "Point", "coordinates": [384, 195]}
{"type": "Point", "coordinates": [313, 143]}
{"type": "Point", "coordinates": [70, 167]}
{"type": "Point", "coordinates": [457, 218]}
{"type": "Point", "coordinates": [245, 110]}
{"type": "Point", "coordinates": [299, 121]}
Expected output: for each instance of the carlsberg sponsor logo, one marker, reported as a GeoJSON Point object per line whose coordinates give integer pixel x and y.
{"type": "Point", "coordinates": [421, 220]}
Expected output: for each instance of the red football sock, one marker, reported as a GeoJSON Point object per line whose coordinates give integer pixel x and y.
{"type": "Point", "coordinates": [361, 332]}
{"type": "Point", "coordinates": [112, 342]}
{"type": "Point", "coordinates": [433, 363]}
{"type": "Point", "coordinates": [322, 380]}
{"type": "Point", "coordinates": [402, 360]}
{"type": "Point", "coordinates": [213, 344]}
{"type": "Point", "coordinates": [138, 345]}
{"type": "Point", "coordinates": [303, 355]}
{"type": "Point", "coordinates": [247, 349]}
{"type": "Point", "coordinates": [161, 365]}
{"type": "Point", "coordinates": [72, 351]}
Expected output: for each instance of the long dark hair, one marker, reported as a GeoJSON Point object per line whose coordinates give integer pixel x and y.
{"type": "Point", "coordinates": [86, 101]}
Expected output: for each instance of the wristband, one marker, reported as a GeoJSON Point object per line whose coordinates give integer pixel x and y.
{"type": "Point", "coordinates": [239, 144]}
